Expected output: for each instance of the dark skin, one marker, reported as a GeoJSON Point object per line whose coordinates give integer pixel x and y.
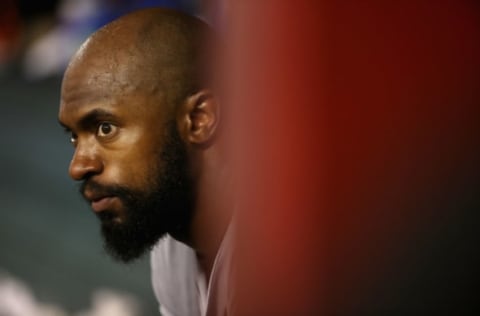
{"type": "Point", "coordinates": [119, 92]}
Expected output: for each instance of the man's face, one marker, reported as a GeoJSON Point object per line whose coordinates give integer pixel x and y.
{"type": "Point", "coordinates": [130, 159]}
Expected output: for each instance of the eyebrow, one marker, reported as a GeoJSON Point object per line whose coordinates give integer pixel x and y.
{"type": "Point", "coordinates": [90, 119]}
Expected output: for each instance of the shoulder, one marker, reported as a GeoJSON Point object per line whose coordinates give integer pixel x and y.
{"type": "Point", "coordinates": [174, 277]}
{"type": "Point", "coordinates": [221, 287]}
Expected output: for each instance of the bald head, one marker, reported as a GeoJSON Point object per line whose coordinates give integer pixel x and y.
{"type": "Point", "coordinates": [143, 119]}
{"type": "Point", "coordinates": [157, 51]}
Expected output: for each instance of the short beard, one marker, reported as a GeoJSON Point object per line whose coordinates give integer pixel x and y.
{"type": "Point", "coordinates": [150, 214]}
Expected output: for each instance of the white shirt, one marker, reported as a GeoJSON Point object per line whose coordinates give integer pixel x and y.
{"type": "Point", "coordinates": [180, 284]}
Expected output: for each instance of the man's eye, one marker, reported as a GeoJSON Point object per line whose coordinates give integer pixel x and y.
{"type": "Point", "coordinates": [73, 138]}
{"type": "Point", "coordinates": [105, 129]}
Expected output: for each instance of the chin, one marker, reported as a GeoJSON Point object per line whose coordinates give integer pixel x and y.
{"type": "Point", "coordinates": [125, 242]}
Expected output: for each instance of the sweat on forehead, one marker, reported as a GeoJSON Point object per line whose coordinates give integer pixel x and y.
{"type": "Point", "coordinates": [152, 49]}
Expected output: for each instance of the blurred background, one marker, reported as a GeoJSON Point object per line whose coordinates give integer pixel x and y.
{"type": "Point", "coordinates": [52, 261]}
{"type": "Point", "coordinates": [358, 150]}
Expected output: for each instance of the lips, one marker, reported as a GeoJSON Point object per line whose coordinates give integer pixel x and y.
{"type": "Point", "coordinates": [99, 201]}
{"type": "Point", "coordinates": [103, 203]}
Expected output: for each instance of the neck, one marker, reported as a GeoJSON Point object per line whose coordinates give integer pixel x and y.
{"type": "Point", "coordinates": [213, 211]}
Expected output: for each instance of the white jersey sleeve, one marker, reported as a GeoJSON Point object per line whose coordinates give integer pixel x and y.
{"type": "Point", "coordinates": [175, 279]}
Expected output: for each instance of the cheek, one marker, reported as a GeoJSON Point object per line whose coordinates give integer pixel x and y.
{"type": "Point", "coordinates": [136, 166]}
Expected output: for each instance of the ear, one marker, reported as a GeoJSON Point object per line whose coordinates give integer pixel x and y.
{"type": "Point", "coordinates": [198, 118]}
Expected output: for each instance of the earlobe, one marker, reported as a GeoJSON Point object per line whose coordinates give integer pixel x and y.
{"type": "Point", "coordinates": [200, 117]}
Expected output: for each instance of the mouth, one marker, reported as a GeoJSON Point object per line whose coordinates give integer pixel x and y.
{"type": "Point", "coordinates": [99, 202]}
{"type": "Point", "coordinates": [102, 203]}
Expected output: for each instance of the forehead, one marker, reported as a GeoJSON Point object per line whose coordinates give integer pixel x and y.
{"type": "Point", "coordinates": [110, 83]}
{"type": "Point", "coordinates": [92, 76]}
{"type": "Point", "coordinates": [84, 91]}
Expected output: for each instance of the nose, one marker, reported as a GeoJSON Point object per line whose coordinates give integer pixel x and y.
{"type": "Point", "coordinates": [84, 163]}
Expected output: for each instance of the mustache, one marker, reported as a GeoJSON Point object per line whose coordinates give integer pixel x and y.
{"type": "Point", "coordinates": [100, 189]}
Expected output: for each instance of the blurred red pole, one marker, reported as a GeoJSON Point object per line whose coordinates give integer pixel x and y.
{"type": "Point", "coordinates": [278, 103]}
{"type": "Point", "coordinates": [353, 130]}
